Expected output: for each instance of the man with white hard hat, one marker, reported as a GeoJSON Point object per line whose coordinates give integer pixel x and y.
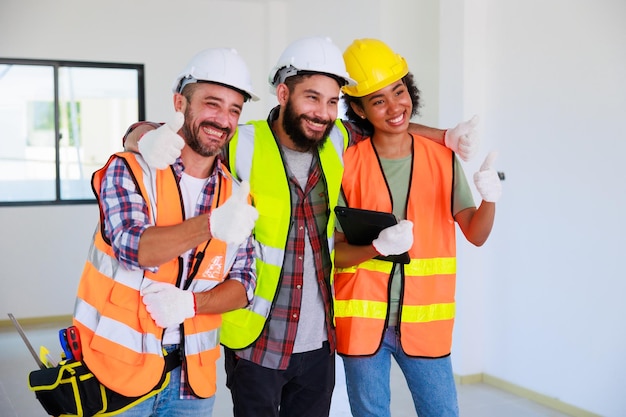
{"type": "Point", "coordinates": [173, 252]}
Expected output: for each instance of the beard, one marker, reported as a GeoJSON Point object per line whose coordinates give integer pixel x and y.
{"type": "Point", "coordinates": [192, 136]}
{"type": "Point", "coordinates": [292, 123]}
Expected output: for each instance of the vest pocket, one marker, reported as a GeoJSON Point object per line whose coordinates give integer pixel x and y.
{"type": "Point", "coordinates": [119, 334]}
{"type": "Point", "coordinates": [125, 297]}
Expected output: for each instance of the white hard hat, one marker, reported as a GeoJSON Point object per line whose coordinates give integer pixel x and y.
{"type": "Point", "coordinates": [314, 54]}
{"type": "Point", "coordinates": [218, 65]}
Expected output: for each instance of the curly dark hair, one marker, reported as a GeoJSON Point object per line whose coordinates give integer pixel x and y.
{"type": "Point", "coordinates": [365, 124]}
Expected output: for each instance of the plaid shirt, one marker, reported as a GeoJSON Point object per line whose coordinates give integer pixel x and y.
{"type": "Point", "coordinates": [274, 346]}
{"type": "Point", "coordinates": [310, 210]}
{"type": "Point", "coordinates": [125, 215]}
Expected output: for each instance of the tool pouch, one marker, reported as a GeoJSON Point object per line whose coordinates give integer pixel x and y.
{"type": "Point", "coordinates": [70, 389]}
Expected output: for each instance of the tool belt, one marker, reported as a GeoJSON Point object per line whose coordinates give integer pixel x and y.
{"type": "Point", "coordinates": [70, 389]}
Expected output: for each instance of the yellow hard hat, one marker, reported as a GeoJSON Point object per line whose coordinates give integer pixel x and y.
{"type": "Point", "coordinates": [373, 65]}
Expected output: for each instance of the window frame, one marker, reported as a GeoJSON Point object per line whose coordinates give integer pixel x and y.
{"type": "Point", "coordinates": [56, 65]}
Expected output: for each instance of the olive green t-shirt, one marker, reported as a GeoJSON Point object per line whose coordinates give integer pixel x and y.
{"type": "Point", "coordinates": [397, 172]}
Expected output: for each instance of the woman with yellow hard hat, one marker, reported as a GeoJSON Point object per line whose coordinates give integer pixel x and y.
{"type": "Point", "coordinates": [385, 308]}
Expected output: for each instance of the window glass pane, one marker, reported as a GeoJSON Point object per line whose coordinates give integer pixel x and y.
{"type": "Point", "coordinates": [27, 149]}
{"type": "Point", "coordinates": [96, 105]}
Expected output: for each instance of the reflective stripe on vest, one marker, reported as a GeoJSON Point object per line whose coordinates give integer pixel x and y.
{"type": "Point", "coordinates": [410, 314]}
{"type": "Point", "coordinates": [121, 343]}
{"type": "Point", "coordinates": [254, 156]}
{"type": "Point", "coordinates": [428, 308]}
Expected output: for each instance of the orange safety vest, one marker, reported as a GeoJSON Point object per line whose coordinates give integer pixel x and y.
{"type": "Point", "coordinates": [427, 306]}
{"type": "Point", "coordinates": [121, 343]}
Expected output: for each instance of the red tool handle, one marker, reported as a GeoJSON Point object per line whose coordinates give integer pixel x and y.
{"type": "Point", "coordinates": [73, 340]}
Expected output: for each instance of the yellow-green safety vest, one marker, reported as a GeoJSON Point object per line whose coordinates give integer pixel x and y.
{"type": "Point", "coordinates": [254, 155]}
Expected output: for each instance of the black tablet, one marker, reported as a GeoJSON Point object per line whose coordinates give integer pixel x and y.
{"type": "Point", "coordinates": [361, 227]}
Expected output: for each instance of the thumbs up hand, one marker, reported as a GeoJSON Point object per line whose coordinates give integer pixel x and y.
{"type": "Point", "coordinates": [487, 180]}
{"type": "Point", "coordinates": [233, 221]}
{"type": "Point", "coordinates": [463, 139]}
{"type": "Point", "coordinates": [161, 147]}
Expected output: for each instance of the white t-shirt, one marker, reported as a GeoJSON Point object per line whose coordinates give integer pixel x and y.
{"type": "Point", "coordinates": [190, 188]}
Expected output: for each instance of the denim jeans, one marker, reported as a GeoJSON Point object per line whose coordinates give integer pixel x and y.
{"type": "Point", "coordinates": [167, 403]}
{"type": "Point", "coordinates": [430, 381]}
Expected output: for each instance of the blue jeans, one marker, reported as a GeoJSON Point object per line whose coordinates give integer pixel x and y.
{"type": "Point", "coordinates": [167, 403]}
{"type": "Point", "coordinates": [430, 381]}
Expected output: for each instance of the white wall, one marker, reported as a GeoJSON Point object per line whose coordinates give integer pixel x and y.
{"type": "Point", "coordinates": [540, 304]}
{"type": "Point", "coordinates": [549, 283]}
{"type": "Point", "coordinates": [43, 250]}
{"type": "Point", "coordinates": [558, 100]}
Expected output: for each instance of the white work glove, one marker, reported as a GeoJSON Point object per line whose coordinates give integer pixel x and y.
{"type": "Point", "coordinates": [167, 304]}
{"type": "Point", "coordinates": [463, 139]}
{"type": "Point", "coordinates": [487, 180]}
{"type": "Point", "coordinates": [233, 221]}
{"type": "Point", "coordinates": [395, 239]}
{"type": "Point", "coordinates": [161, 147]}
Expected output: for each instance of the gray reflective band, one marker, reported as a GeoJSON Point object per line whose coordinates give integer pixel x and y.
{"type": "Point", "coordinates": [110, 267]}
{"type": "Point", "coordinates": [201, 342]}
{"type": "Point", "coordinates": [116, 331]}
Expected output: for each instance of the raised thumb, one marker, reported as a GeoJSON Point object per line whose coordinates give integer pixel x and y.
{"type": "Point", "coordinates": [176, 122]}
{"type": "Point", "coordinates": [242, 192]}
{"type": "Point", "coordinates": [473, 122]}
{"type": "Point", "coordinates": [489, 160]}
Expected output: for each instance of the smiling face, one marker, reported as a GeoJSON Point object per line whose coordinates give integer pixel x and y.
{"type": "Point", "coordinates": [388, 109]}
{"type": "Point", "coordinates": [211, 115]}
{"type": "Point", "coordinates": [308, 110]}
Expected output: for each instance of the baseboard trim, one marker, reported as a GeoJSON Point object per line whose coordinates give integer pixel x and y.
{"type": "Point", "coordinates": [524, 393]}
{"type": "Point", "coordinates": [468, 379]}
